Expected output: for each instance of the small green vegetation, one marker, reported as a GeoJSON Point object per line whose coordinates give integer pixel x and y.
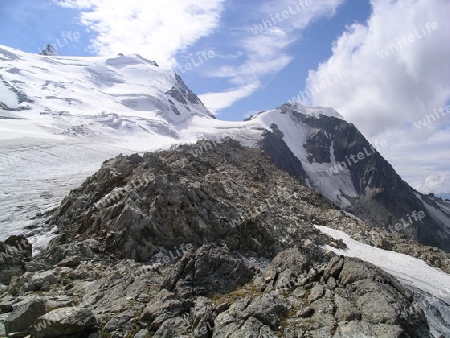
{"type": "Point", "coordinates": [247, 290]}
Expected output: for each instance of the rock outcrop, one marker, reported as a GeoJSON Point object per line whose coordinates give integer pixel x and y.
{"type": "Point", "coordinates": [14, 253]}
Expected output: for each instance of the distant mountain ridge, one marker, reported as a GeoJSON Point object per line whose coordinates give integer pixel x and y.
{"type": "Point", "coordinates": [367, 187]}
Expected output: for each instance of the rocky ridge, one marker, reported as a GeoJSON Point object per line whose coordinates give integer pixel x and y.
{"type": "Point", "coordinates": [169, 244]}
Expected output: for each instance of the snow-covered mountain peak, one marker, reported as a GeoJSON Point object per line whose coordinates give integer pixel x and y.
{"type": "Point", "coordinates": [310, 111]}
{"type": "Point", "coordinates": [293, 109]}
{"type": "Point", "coordinates": [49, 50]}
{"type": "Point", "coordinates": [127, 85]}
{"type": "Point", "coordinates": [127, 60]}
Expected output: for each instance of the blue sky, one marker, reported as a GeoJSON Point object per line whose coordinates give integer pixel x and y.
{"type": "Point", "coordinates": [331, 50]}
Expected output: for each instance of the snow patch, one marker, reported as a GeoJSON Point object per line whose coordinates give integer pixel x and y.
{"type": "Point", "coordinates": [410, 270]}
{"type": "Point", "coordinates": [7, 96]}
{"type": "Point", "coordinates": [431, 286]}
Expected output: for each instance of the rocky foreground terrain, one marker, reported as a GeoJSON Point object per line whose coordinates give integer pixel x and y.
{"type": "Point", "coordinates": [169, 244]}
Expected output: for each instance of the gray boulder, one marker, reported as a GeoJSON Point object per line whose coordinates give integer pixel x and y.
{"type": "Point", "coordinates": [39, 279]}
{"type": "Point", "coordinates": [67, 322]}
{"type": "Point", "coordinates": [246, 317]}
{"type": "Point", "coordinates": [165, 306]}
{"type": "Point", "coordinates": [24, 315]}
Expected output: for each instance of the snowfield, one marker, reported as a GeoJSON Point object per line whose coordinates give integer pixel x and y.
{"type": "Point", "coordinates": [431, 284]}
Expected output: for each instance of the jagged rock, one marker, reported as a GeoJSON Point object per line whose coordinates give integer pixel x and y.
{"type": "Point", "coordinates": [173, 327]}
{"type": "Point", "coordinates": [229, 321]}
{"type": "Point", "coordinates": [334, 268]}
{"type": "Point", "coordinates": [202, 314]}
{"type": "Point", "coordinates": [181, 93]}
{"type": "Point", "coordinates": [142, 334]}
{"type": "Point", "coordinates": [267, 309]}
{"type": "Point", "coordinates": [49, 50]}
{"type": "Point", "coordinates": [23, 315]}
{"type": "Point", "coordinates": [380, 298]}
{"type": "Point", "coordinates": [345, 310]}
{"type": "Point", "coordinates": [38, 280]}
{"type": "Point", "coordinates": [285, 270]}
{"type": "Point", "coordinates": [155, 208]}
{"type": "Point", "coordinates": [210, 269]}
{"type": "Point", "coordinates": [252, 327]}
{"type": "Point", "coordinates": [120, 322]}
{"type": "Point", "coordinates": [316, 292]}
{"type": "Point", "coordinates": [71, 262]}
{"type": "Point", "coordinates": [363, 329]}
{"type": "Point", "coordinates": [36, 266]}
{"type": "Point", "coordinates": [165, 306]}
{"type": "Point", "coordinates": [65, 322]}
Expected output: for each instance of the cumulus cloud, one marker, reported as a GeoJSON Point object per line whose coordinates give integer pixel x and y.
{"type": "Point", "coordinates": [401, 87]}
{"type": "Point", "coordinates": [399, 71]}
{"type": "Point", "coordinates": [416, 160]}
{"type": "Point", "coordinates": [155, 29]}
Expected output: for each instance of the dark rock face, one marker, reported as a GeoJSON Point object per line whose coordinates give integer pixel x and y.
{"type": "Point", "coordinates": [48, 50]}
{"type": "Point", "coordinates": [318, 147]}
{"type": "Point", "coordinates": [251, 316]}
{"type": "Point", "coordinates": [183, 94]}
{"type": "Point", "coordinates": [273, 145]}
{"type": "Point", "coordinates": [245, 257]}
{"type": "Point", "coordinates": [15, 252]}
{"type": "Point", "coordinates": [384, 198]}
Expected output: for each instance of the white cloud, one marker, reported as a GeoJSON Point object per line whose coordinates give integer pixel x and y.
{"type": "Point", "coordinates": [386, 94]}
{"type": "Point", "coordinates": [411, 81]}
{"type": "Point", "coordinates": [216, 101]}
{"type": "Point", "coordinates": [416, 160]}
{"type": "Point", "coordinates": [155, 29]}
{"type": "Point", "coordinates": [266, 53]}
{"type": "Point", "coordinates": [433, 183]}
